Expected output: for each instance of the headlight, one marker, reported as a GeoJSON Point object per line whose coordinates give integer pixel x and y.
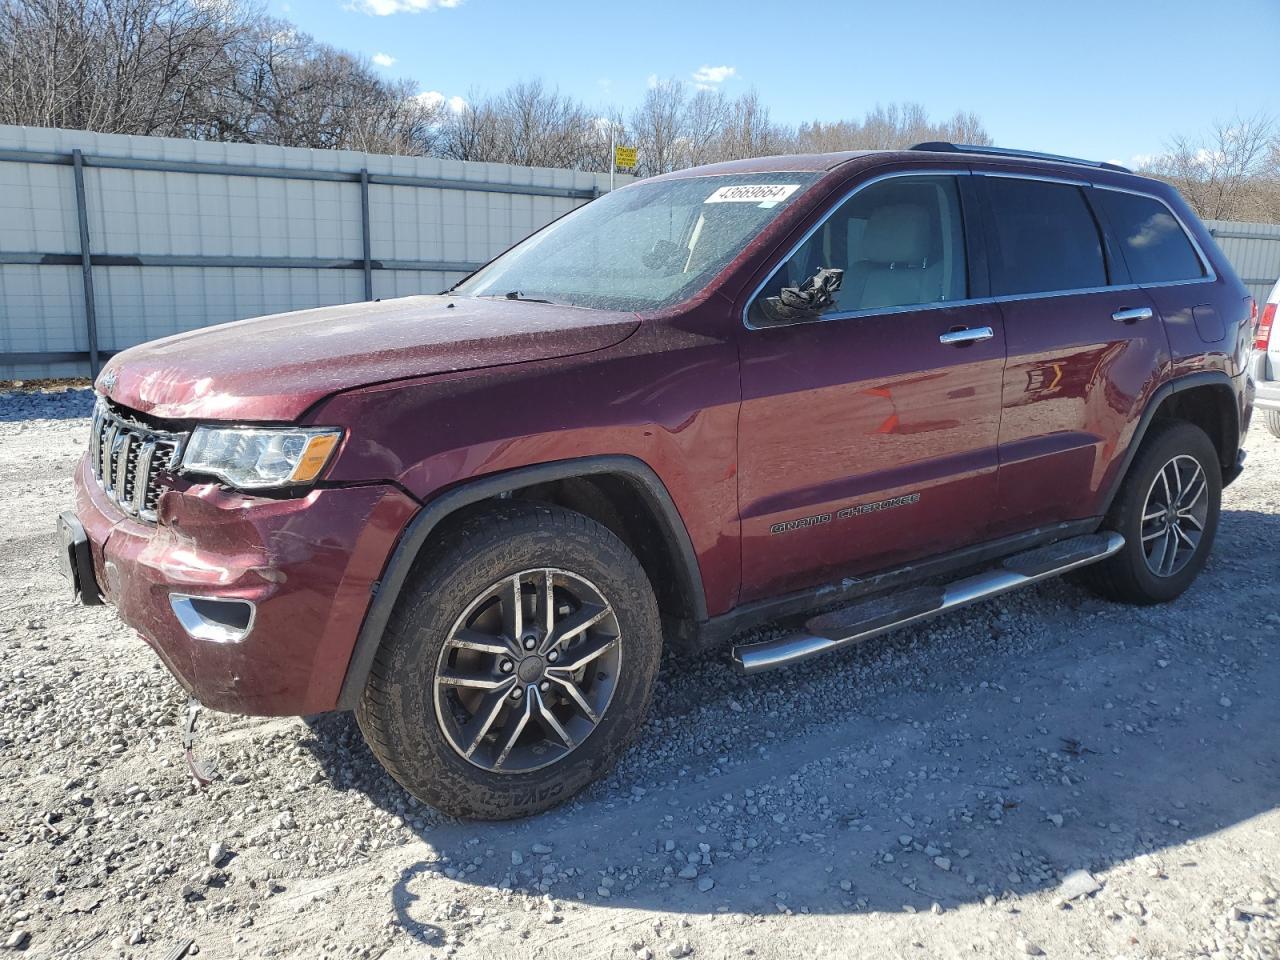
{"type": "Point", "coordinates": [257, 458]}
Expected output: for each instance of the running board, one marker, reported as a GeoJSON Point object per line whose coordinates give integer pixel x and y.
{"type": "Point", "coordinates": [870, 618]}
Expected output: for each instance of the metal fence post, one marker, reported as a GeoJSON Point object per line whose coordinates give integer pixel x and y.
{"type": "Point", "coordinates": [86, 266]}
{"type": "Point", "coordinates": [367, 239]}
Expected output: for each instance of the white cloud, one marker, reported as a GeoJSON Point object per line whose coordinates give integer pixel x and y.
{"type": "Point", "coordinates": [708, 78]}
{"type": "Point", "coordinates": [384, 59]}
{"type": "Point", "coordinates": [1140, 160]}
{"type": "Point", "coordinates": [434, 98]}
{"type": "Point", "coordinates": [385, 8]}
{"type": "Point", "coordinates": [651, 81]}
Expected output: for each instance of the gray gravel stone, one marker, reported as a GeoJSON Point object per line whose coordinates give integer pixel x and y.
{"type": "Point", "coordinates": [974, 737]}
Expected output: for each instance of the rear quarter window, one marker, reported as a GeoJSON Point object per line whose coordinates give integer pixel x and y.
{"type": "Point", "coordinates": [1154, 245]}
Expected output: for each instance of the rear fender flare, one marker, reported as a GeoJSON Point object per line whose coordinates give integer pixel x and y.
{"type": "Point", "coordinates": [1162, 393]}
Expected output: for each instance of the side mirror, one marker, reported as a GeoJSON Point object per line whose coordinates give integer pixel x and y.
{"type": "Point", "coordinates": [666, 257]}
{"type": "Point", "coordinates": [806, 301]}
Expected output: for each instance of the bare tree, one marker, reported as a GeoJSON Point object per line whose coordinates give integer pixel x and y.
{"type": "Point", "coordinates": [607, 128]}
{"type": "Point", "coordinates": [209, 69]}
{"type": "Point", "coordinates": [965, 127]}
{"type": "Point", "coordinates": [749, 132]}
{"type": "Point", "coordinates": [658, 127]}
{"type": "Point", "coordinates": [539, 127]}
{"type": "Point", "coordinates": [220, 70]}
{"type": "Point", "coordinates": [472, 132]}
{"type": "Point", "coordinates": [889, 128]}
{"type": "Point", "coordinates": [1233, 173]}
{"type": "Point", "coordinates": [118, 66]}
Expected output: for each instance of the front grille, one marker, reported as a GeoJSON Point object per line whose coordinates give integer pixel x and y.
{"type": "Point", "coordinates": [127, 456]}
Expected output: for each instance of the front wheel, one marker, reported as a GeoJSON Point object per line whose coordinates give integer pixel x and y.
{"type": "Point", "coordinates": [517, 665]}
{"type": "Point", "coordinates": [1167, 510]}
{"type": "Point", "coordinates": [1272, 419]}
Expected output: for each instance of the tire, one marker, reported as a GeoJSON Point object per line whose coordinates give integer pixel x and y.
{"type": "Point", "coordinates": [1272, 420]}
{"type": "Point", "coordinates": [418, 723]}
{"type": "Point", "coordinates": [1132, 575]}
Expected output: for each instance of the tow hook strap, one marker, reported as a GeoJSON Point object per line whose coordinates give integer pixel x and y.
{"type": "Point", "coordinates": [204, 773]}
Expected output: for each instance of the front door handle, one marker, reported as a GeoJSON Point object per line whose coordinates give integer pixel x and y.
{"type": "Point", "coordinates": [1132, 314]}
{"type": "Point", "coordinates": [967, 335]}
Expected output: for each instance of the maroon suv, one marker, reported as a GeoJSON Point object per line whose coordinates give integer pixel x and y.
{"type": "Point", "coordinates": [857, 388]}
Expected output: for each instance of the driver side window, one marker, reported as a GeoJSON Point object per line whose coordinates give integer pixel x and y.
{"type": "Point", "coordinates": [896, 243]}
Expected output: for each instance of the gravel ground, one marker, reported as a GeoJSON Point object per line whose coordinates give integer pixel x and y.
{"type": "Point", "coordinates": [1047, 774]}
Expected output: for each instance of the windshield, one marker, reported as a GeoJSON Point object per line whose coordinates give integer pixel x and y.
{"type": "Point", "coordinates": [648, 246]}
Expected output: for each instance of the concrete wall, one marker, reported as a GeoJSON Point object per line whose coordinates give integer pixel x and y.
{"type": "Point", "coordinates": [198, 229]}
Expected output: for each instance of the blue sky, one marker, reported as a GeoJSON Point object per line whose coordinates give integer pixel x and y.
{"type": "Point", "coordinates": [1104, 80]}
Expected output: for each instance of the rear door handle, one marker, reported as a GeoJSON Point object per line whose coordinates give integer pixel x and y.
{"type": "Point", "coordinates": [967, 335]}
{"type": "Point", "coordinates": [1132, 314]}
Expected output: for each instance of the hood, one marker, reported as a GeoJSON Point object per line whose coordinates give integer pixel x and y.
{"type": "Point", "coordinates": [276, 367]}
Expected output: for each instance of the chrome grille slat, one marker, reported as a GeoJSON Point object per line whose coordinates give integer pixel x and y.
{"type": "Point", "coordinates": [127, 456]}
{"type": "Point", "coordinates": [138, 502]}
{"type": "Point", "coordinates": [105, 462]}
{"type": "Point", "coordinates": [95, 439]}
{"type": "Point", "coordinates": [120, 467]}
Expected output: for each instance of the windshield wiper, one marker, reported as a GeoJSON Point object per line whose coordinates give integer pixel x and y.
{"type": "Point", "coordinates": [517, 295]}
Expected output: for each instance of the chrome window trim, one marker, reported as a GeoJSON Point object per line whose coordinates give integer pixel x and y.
{"type": "Point", "coordinates": [874, 312]}
{"type": "Point", "coordinates": [1043, 177]}
{"type": "Point", "coordinates": [1210, 276]}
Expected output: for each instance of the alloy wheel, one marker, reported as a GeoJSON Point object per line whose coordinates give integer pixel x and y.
{"type": "Point", "coordinates": [1174, 515]}
{"type": "Point", "coordinates": [528, 671]}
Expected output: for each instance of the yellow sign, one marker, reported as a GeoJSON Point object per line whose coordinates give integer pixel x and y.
{"type": "Point", "coordinates": [624, 157]}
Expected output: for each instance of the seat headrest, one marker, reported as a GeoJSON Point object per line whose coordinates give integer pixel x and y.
{"type": "Point", "coordinates": [897, 233]}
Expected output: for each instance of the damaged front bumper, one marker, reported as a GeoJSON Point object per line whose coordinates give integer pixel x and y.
{"type": "Point", "coordinates": [253, 603]}
{"type": "Point", "coordinates": [76, 560]}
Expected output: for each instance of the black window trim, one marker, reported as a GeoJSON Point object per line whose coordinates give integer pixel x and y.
{"type": "Point", "coordinates": [1118, 271]}
{"type": "Point", "coordinates": [979, 230]}
{"type": "Point", "coordinates": [973, 220]}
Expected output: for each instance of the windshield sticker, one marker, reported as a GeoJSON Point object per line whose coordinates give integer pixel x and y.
{"type": "Point", "coordinates": [764, 194]}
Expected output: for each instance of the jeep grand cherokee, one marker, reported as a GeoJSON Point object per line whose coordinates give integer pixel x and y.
{"type": "Point", "coordinates": [846, 392]}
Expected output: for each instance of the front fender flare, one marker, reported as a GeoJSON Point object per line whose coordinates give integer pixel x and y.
{"type": "Point", "coordinates": [396, 572]}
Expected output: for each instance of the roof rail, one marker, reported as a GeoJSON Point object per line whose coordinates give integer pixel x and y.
{"type": "Point", "coordinates": [943, 146]}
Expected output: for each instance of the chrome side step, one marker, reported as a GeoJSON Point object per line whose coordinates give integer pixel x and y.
{"type": "Point", "coordinates": [870, 618]}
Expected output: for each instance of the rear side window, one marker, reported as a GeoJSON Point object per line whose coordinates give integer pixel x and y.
{"type": "Point", "coordinates": [1155, 246]}
{"type": "Point", "coordinates": [1046, 238]}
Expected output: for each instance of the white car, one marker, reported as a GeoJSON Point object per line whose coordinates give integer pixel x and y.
{"type": "Point", "coordinates": [1266, 364]}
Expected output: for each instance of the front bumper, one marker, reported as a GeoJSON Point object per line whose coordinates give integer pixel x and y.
{"type": "Point", "coordinates": [306, 567]}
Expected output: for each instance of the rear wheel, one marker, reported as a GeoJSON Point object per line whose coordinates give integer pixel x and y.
{"type": "Point", "coordinates": [1167, 509]}
{"type": "Point", "coordinates": [517, 666]}
{"type": "Point", "coordinates": [1272, 420]}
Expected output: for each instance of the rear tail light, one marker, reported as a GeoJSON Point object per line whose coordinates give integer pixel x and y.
{"type": "Point", "coordinates": [1262, 337]}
